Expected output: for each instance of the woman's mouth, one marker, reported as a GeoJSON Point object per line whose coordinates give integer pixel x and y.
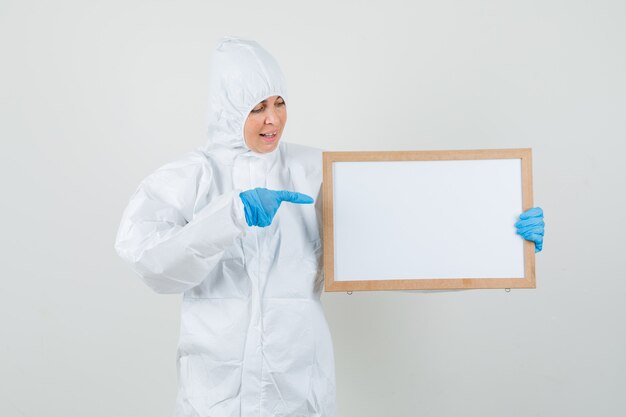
{"type": "Point", "coordinates": [269, 137]}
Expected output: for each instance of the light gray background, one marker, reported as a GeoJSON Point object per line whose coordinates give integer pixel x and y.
{"type": "Point", "coordinates": [96, 95]}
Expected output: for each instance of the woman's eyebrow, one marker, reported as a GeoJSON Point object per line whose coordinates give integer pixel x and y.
{"type": "Point", "coordinates": [265, 101]}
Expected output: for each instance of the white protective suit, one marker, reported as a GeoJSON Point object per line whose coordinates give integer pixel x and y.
{"type": "Point", "coordinates": [254, 340]}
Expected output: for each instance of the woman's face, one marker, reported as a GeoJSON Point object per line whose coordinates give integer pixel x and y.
{"type": "Point", "coordinates": [265, 124]}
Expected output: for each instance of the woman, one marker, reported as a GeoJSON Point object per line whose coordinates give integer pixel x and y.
{"type": "Point", "coordinates": [254, 340]}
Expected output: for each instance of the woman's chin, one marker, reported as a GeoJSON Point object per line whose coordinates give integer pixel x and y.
{"type": "Point", "coordinates": [265, 147]}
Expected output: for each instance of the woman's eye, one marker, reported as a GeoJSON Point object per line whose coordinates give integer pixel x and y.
{"type": "Point", "coordinates": [257, 110]}
{"type": "Point", "coordinates": [280, 103]}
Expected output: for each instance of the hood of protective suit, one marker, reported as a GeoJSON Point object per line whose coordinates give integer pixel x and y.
{"type": "Point", "coordinates": [242, 74]}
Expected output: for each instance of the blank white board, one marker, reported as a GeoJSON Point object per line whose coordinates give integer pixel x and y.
{"type": "Point", "coordinates": [438, 219]}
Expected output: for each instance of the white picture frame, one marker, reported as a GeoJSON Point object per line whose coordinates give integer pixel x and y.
{"type": "Point", "coordinates": [426, 220]}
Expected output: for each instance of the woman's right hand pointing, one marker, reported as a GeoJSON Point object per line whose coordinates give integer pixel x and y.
{"type": "Point", "coordinates": [261, 204]}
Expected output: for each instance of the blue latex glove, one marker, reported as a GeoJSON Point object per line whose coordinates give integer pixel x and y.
{"type": "Point", "coordinates": [530, 226]}
{"type": "Point", "coordinates": [261, 204]}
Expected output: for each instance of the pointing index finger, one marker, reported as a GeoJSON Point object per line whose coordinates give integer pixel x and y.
{"type": "Point", "coordinates": [293, 197]}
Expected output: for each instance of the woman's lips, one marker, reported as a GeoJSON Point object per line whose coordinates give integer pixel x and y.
{"type": "Point", "coordinates": [269, 137]}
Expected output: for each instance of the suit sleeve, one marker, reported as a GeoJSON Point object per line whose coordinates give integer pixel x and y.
{"type": "Point", "coordinates": [172, 248]}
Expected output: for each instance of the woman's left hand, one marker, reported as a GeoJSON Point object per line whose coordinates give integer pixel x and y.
{"type": "Point", "coordinates": [531, 226]}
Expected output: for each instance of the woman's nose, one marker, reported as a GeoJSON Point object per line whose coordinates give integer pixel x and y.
{"type": "Point", "coordinates": [271, 117]}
